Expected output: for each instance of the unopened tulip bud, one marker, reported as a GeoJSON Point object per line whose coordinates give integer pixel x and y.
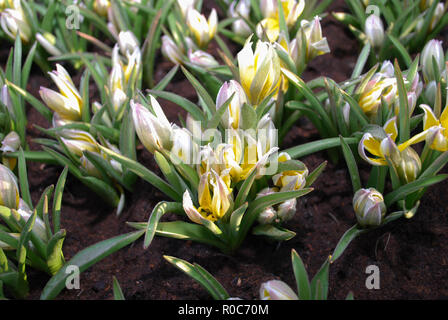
{"type": "Point", "coordinates": [128, 42]}
{"type": "Point", "coordinates": [374, 30]}
{"type": "Point", "coordinates": [9, 189]}
{"type": "Point", "coordinates": [267, 216]}
{"type": "Point", "coordinates": [431, 92]}
{"type": "Point", "coordinates": [171, 51]}
{"type": "Point", "coordinates": [11, 142]}
{"type": "Point", "coordinates": [6, 99]}
{"type": "Point", "coordinates": [410, 165]}
{"type": "Point", "coordinates": [232, 117]}
{"type": "Point", "coordinates": [202, 59]}
{"type": "Point", "coordinates": [277, 290]}
{"type": "Point", "coordinates": [39, 227]}
{"type": "Point", "coordinates": [88, 166]}
{"type": "Point", "coordinates": [287, 209]}
{"type": "Point", "coordinates": [238, 10]}
{"type": "Point", "coordinates": [48, 42]}
{"type": "Point", "coordinates": [101, 7]}
{"type": "Point", "coordinates": [78, 141]}
{"type": "Point", "coordinates": [185, 6]}
{"type": "Point", "coordinates": [369, 207]}
{"type": "Point", "coordinates": [153, 130]}
{"type": "Point", "coordinates": [432, 51]}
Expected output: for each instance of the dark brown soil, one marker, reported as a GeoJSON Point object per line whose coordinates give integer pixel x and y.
{"type": "Point", "coordinates": [411, 254]}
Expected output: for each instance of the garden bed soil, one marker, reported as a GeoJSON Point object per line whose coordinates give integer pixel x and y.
{"type": "Point", "coordinates": [411, 253]}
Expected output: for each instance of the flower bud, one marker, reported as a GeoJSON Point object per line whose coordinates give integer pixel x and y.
{"type": "Point", "coordinates": [101, 7]}
{"type": "Point", "coordinates": [203, 30]}
{"type": "Point", "coordinates": [88, 166]}
{"type": "Point", "coordinates": [287, 209]}
{"type": "Point", "coordinates": [277, 290]}
{"type": "Point", "coordinates": [240, 9]}
{"type": "Point", "coordinates": [374, 31]}
{"type": "Point", "coordinates": [11, 142]}
{"type": "Point", "coordinates": [267, 216]}
{"type": "Point", "coordinates": [48, 42]}
{"type": "Point", "coordinates": [310, 36]}
{"type": "Point", "coordinates": [153, 130]}
{"type": "Point", "coordinates": [410, 165]}
{"type": "Point", "coordinates": [128, 43]}
{"type": "Point", "coordinates": [432, 50]}
{"type": "Point", "coordinates": [67, 102]}
{"type": "Point", "coordinates": [185, 6]}
{"type": "Point", "coordinates": [78, 141]}
{"type": "Point", "coordinates": [9, 189]}
{"type": "Point", "coordinates": [39, 227]}
{"type": "Point", "coordinates": [6, 99]}
{"type": "Point", "coordinates": [431, 92]}
{"type": "Point", "coordinates": [231, 118]}
{"type": "Point", "coordinates": [171, 51]}
{"type": "Point", "coordinates": [202, 59]}
{"type": "Point", "coordinates": [369, 207]}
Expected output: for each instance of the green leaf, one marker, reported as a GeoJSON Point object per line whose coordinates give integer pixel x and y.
{"type": "Point", "coordinates": [159, 210]}
{"type": "Point", "coordinates": [301, 275]}
{"type": "Point", "coordinates": [305, 149]}
{"type": "Point", "coordinates": [401, 49]}
{"type": "Point", "coordinates": [55, 257]}
{"type": "Point", "coordinates": [185, 104]}
{"type": "Point", "coordinates": [351, 164]}
{"type": "Point", "coordinates": [319, 284]}
{"type": "Point", "coordinates": [23, 180]}
{"type": "Point", "coordinates": [57, 200]}
{"type": "Point", "coordinates": [85, 259]}
{"type": "Point", "coordinates": [276, 233]}
{"type": "Point", "coordinates": [345, 240]}
{"type": "Point", "coordinates": [403, 191]}
{"type": "Point", "coordinates": [403, 116]}
{"type": "Point", "coordinates": [205, 279]}
{"type": "Point", "coordinates": [315, 174]}
{"type": "Point", "coordinates": [118, 293]}
{"type": "Point", "coordinates": [144, 173]}
{"type": "Point", "coordinates": [210, 107]}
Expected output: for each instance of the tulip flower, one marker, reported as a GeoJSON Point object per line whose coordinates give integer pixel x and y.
{"type": "Point", "coordinates": [259, 71]}
{"type": "Point", "coordinates": [203, 30]}
{"type": "Point", "coordinates": [382, 147]}
{"type": "Point", "coordinates": [310, 36]}
{"type": "Point", "coordinates": [437, 137]}
{"type": "Point", "coordinates": [290, 180]}
{"type": "Point", "coordinates": [67, 103]}
{"type": "Point", "coordinates": [153, 129]}
{"type": "Point", "coordinates": [78, 141]}
{"type": "Point", "coordinates": [214, 199]}
{"type": "Point", "coordinates": [369, 207]}
{"type": "Point", "coordinates": [277, 290]}
{"type": "Point", "coordinates": [13, 22]}
{"type": "Point", "coordinates": [382, 86]}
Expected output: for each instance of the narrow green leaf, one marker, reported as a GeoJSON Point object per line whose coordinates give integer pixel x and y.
{"type": "Point", "coordinates": [85, 259]}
